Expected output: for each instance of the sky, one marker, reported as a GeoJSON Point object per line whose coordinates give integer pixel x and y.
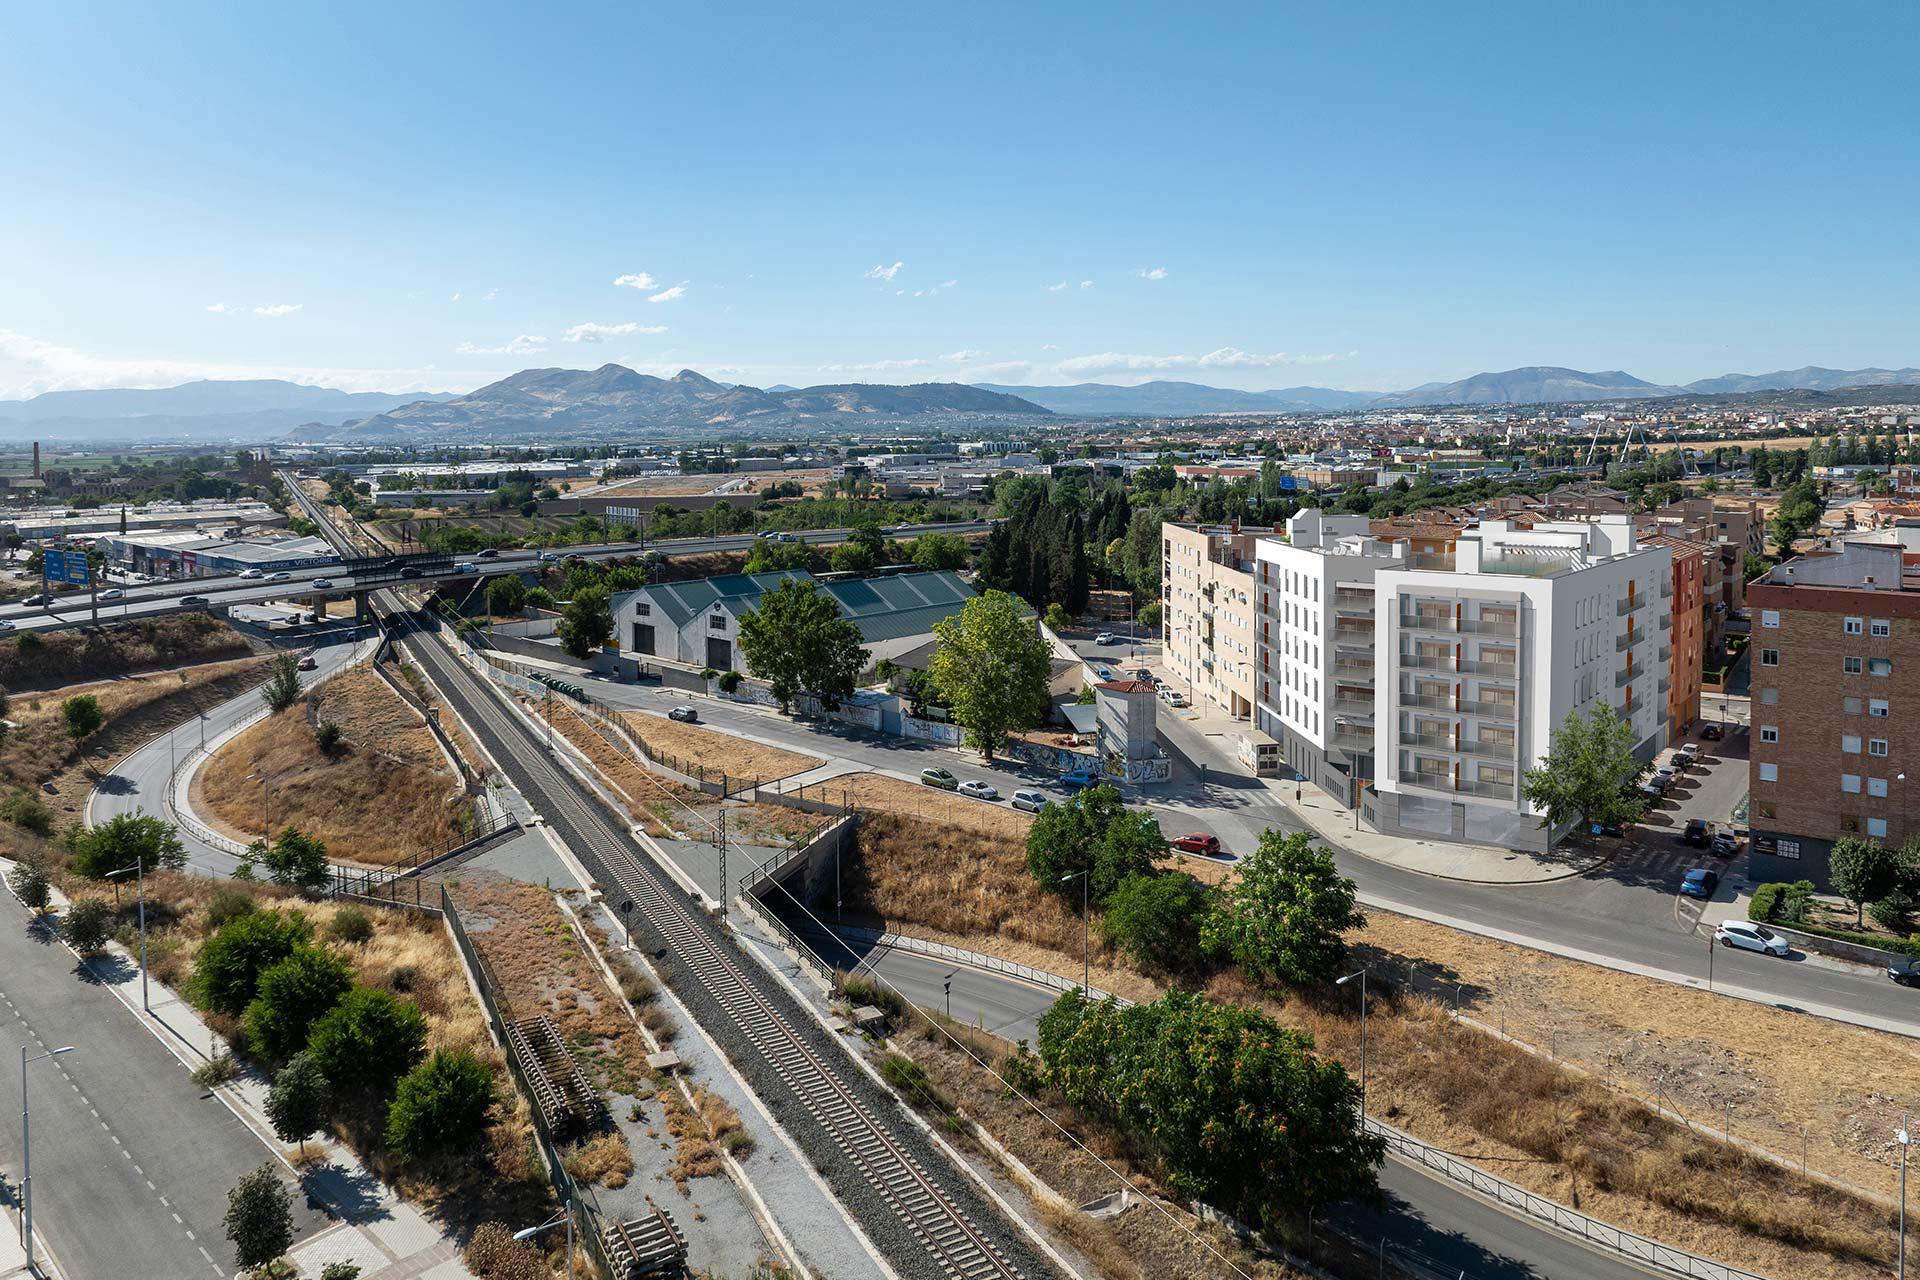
{"type": "Point", "coordinates": [410, 197]}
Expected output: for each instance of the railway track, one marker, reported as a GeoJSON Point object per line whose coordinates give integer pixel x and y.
{"type": "Point", "coordinates": [954, 1244]}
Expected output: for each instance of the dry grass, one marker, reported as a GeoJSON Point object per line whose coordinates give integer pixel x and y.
{"type": "Point", "coordinates": [659, 804]}
{"type": "Point", "coordinates": [716, 752]}
{"type": "Point", "coordinates": [701, 1134]}
{"type": "Point", "coordinates": [876, 793]}
{"type": "Point", "coordinates": [117, 649]}
{"type": "Point", "coordinates": [602, 1158]}
{"type": "Point", "coordinates": [384, 795]}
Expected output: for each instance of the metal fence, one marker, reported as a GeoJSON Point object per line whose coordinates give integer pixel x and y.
{"type": "Point", "coordinates": [401, 884]}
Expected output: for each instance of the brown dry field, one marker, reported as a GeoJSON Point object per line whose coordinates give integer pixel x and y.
{"type": "Point", "coordinates": [881, 794]}
{"type": "Point", "coordinates": [1745, 442]}
{"type": "Point", "coordinates": [1556, 1132]}
{"type": "Point", "coordinates": [720, 752]}
{"type": "Point", "coordinates": [810, 478]}
{"type": "Point", "coordinates": [115, 651]}
{"type": "Point", "coordinates": [383, 796]}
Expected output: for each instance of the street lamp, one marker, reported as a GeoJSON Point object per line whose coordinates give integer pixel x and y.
{"type": "Point", "coordinates": [1341, 982]}
{"type": "Point", "coordinates": [139, 870]}
{"type": "Point", "coordinates": [1905, 1139]}
{"type": "Point", "coordinates": [565, 1213]}
{"type": "Point", "coordinates": [26, 1153]}
{"type": "Point", "coordinates": [1086, 965]}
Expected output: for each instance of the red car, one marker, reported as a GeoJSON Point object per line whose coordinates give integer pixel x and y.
{"type": "Point", "coordinates": [1197, 843]}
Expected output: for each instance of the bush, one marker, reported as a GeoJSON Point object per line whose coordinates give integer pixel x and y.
{"type": "Point", "coordinates": [1894, 912]}
{"type": "Point", "coordinates": [1155, 919]}
{"type": "Point", "coordinates": [440, 1107]}
{"type": "Point", "coordinates": [351, 924]}
{"type": "Point", "coordinates": [1058, 619]}
{"type": "Point", "coordinates": [119, 843]}
{"type": "Point", "coordinates": [493, 1254]}
{"type": "Point", "coordinates": [290, 996]}
{"type": "Point", "coordinates": [326, 736]}
{"type": "Point", "coordinates": [729, 681]}
{"type": "Point", "coordinates": [24, 810]}
{"type": "Point", "coordinates": [709, 673]}
{"type": "Point", "coordinates": [218, 1069]}
{"type": "Point", "coordinates": [368, 1041]}
{"type": "Point", "coordinates": [282, 688]}
{"type": "Point", "coordinates": [340, 1271]}
{"type": "Point", "coordinates": [229, 965]}
{"type": "Point", "coordinates": [30, 883]}
{"type": "Point", "coordinates": [1777, 903]}
{"type": "Point", "coordinates": [226, 906]}
{"type": "Point", "coordinates": [87, 925]}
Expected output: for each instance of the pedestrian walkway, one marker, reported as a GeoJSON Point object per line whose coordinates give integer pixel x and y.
{"type": "Point", "coordinates": [13, 1258]}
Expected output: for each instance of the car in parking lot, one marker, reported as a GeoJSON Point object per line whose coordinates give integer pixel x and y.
{"type": "Point", "coordinates": [939, 778]}
{"type": "Point", "coordinates": [1079, 779]}
{"type": "Point", "coordinates": [1663, 779]}
{"type": "Point", "coordinates": [1696, 832]}
{"type": "Point", "coordinates": [1710, 733]}
{"type": "Point", "coordinates": [1700, 882]}
{"type": "Point", "coordinates": [323, 583]}
{"type": "Point", "coordinates": [1749, 936]}
{"type": "Point", "coordinates": [1197, 842]}
{"type": "Point", "coordinates": [1105, 637]}
{"type": "Point", "coordinates": [1690, 752]}
{"type": "Point", "coordinates": [979, 790]}
{"type": "Point", "coordinates": [684, 713]}
{"type": "Point", "coordinates": [1031, 801]}
{"type": "Point", "coordinates": [1725, 844]}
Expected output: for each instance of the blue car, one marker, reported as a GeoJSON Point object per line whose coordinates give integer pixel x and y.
{"type": "Point", "coordinates": [1078, 780]}
{"type": "Point", "coordinates": [1105, 673]}
{"type": "Point", "coordinates": [1699, 882]}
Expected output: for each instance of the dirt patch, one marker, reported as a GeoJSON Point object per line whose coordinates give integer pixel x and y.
{"type": "Point", "coordinates": [31, 661]}
{"type": "Point", "coordinates": [660, 805]}
{"type": "Point", "coordinates": [383, 795]}
{"type": "Point", "coordinates": [718, 753]}
{"type": "Point", "coordinates": [876, 793]}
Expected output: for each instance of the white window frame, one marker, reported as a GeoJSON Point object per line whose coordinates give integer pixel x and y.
{"type": "Point", "coordinates": [1769, 733]}
{"type": "Point", "coordinates": [1853, 626]}
{"type": "Point", "coordinates": [1877, 747]}
{"type": "Point", "coordinates": [1879, 707]}
{"type": "Point", "coordinates": [1769, 771]}
{"type": "Point", "coordinates": [1769, 617]}
{"type": "Point", "coordinates": [1769, 657]}
{"type": "Point", "coordinates": [1850, 784]}
{"type": "Point", "coordinates": [1853, 664]}
{"type": "Point", "coordinates": [1882, 628]}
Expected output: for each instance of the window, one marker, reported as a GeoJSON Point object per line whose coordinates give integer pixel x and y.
{"type": "Point", "coordinates": [1769, 733]}
{"type": "Point", "coordinates": [1769, 657]}
{"type": "Point", "coordinates": [1877, 707]}
{"type": "Point", "coordinates": [1851, 706]}
{"type": "Point", "coordinates": [1877, 827]}
{"type": "Point", "coordinates": [1769, 697]}
{"type": "Point", "coordinates": [643, 609]}
{"type": "Point", "coordinates": [1769, 772]}
{"type": "Point", "coordinates": [1882, 628]}
{"type": "Point", "coordinates": [1876, 746]}
{"type": "Point", "coordinates": [1850, 743]}
{"type": "Point", "coordinates": [1852, 665]}
{"type": "Point", "coordinates": [1850, 783]}
{"type": "Point", "coordinates": [1876, 786]}
{"type": "Point", "coordinates": [1769, 617]}
{"type": "Point", "coordinates": [1853, 626]}
{"type": "Point", "coordinates": [718, 622]}
{"type": "Point", "coordinates": [1880, 667]}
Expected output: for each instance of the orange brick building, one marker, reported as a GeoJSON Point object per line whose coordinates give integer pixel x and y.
{"type": "Point", "coordinates": [1686, 630]}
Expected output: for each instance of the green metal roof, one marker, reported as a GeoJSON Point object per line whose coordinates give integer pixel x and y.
{"type": "Point", "coordinates": [889, 607]}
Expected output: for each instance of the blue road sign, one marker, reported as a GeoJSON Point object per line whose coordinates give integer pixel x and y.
{"type": "Point", "coordinates": [70, 567]}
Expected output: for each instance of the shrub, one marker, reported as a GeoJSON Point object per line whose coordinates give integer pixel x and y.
{"type": "Point", "coordinates": [282, 688]}
{"type": "Point", "coordinates": [326, 736]}
{"type": "Point", "coordinates": [297, 1101]}
{"type": "Point", "coordinates": [218, 1069]}
{"type": "Point", "coordinates": [351, 924]}
{"type": "Point", "coordinates": [1156, 918]}
{"type": "Point", "coordinates": [229, 965]}
{"type": "Point", "coordinates": [441, 1106]}
{"type": "Point", "coordinates": [121, 842]}
{"type": "Point", "coordinates": [87, 925]}
{"type": "Point", "coordinates": [29, 882]}
{"type": "Point", "coordinates": [368, 1041]}
{"type": "Point", "coordinates": [226, 906]}
{"type": "Point", "coordinates": [729, 681]}
{"type": "Point", "coordinates": [24, 810]}
{"type": "Point", "coordinates": [709, 673]}
{"type": "Point", "coordinates": [290, 996]}
{"type": "Point", "coordinates": [340, 1271]}
{"type": "Point", "coordinates": [493, 1254]}
{"type": "Point", "coordinates": [1894, 912]}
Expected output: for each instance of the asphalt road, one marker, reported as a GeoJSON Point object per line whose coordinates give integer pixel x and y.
{"type": "Point", "coordinates": [131, 1160]}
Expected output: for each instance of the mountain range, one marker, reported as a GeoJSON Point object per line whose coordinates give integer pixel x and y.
{"type": "Point", "coordinates": [1178, 398]}
{"type": "Point", "coordinates": [239, 410]}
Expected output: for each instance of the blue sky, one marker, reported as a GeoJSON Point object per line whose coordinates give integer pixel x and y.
{"type": "Point", "coordinates": [409, 196]}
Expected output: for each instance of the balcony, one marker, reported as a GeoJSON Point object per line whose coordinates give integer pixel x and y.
{"type": "Point", "coordinates": [1623, 643]}
{"type": "Point", "coordinates": [1353, 598]}
{"type": "Point", "coordinates": [1665, 683]}
{"type": "Point", "coordinates": [1426, 702]}
{"type": "Point", "coordinates": [1432, 781]}
{"type": "Point", "coordinates": [1462, 747]}
{"type": "Point", "coordinates": [1351, 738]}
{"type": "Point", "coordinates": [1427, 741]}
{"type": "Point", "coordinates": [1666, 652]}
{"type": "Point", "coordinates": [1626, 676]}
{"type": "Point", "coordinates": [1353, 707]}
{"type": "Point", "coordinates": [1417, 662]}
{"type": "Point", "coordinates": [1490, 750]}
{"type": "Point", "coordinates": [1353, 665]}
{"type": "Point", "coordinates": [1440, 624]}
{"type": "Point", "coordinates": [1666, 622]}
{"type": "Point", "coordinates": [1632, 604]}
{"type": "Point", "coordinates": [1488, 790]}
{"type": "Point", "coordinates": [1353, 631]}
{"type": "Point", "coordinates": [1507, 711]}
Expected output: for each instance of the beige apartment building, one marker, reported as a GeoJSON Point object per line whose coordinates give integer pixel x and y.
{"type": "Point", "coordinates": [1207, 613]}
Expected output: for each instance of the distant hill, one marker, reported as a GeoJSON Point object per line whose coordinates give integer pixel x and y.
{"type": "Point", "coordinates": [205, 410]}
{"type": "Point", "coordinates": [1811, 378]}
{"type": "Point", "coordinates": [1535, 384]}
{"type": "Point", "coordinates": [614, 399]}
{"type": "Point", "coordinates": [1175, 399]}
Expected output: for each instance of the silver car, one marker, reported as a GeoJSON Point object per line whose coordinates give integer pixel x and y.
{"type": "Point", "coordinates": [1031, 801]}
{"type": "Point", "coordinates": [979, 790]}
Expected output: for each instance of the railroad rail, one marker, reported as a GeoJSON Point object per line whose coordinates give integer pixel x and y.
{"type": "Point", "coordinates": [956, 1244]}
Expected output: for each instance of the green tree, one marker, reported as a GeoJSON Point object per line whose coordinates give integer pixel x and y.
{"type": "Point", "coordinates": [1588, 774]}
{"type": "Point", "coordinates": [993, 669]}
{"type": "Point", "coordinates": [83, 716]}
{"type": "Point", "coordinates": [87, 925]}
{"type": "Point", "coordinates": [228, 968]}
{"type": "Point", "coordinates": [1242, 1111]}
{"type": "Point", "coordinates": [1093, 832]}
{"type": "Point", "coordinates": [291, 995]}
{"type": "Point", "coordinates": [124, 840]}
{"type": "Point", "coordinates": [295, 860]}
{"type": "Point", "coordinates": [852, 557]}
{"type": "Point", "coordinates": [798, 642]}
{"type": "Point", "coordinates": [769, 556]}
{"type": "Point", "coordinates": [259, 1218]}
{"type": "Point", "coordinates": [1057, 619]}
{"type": "Point", "coordinates": [1149, 616]}
{"type": "Point", "coordinates": [326, 736]}
{"type": "Point", "coordinates": [31, 882]}
{"type": "Point", "coordinates": [587, 621]}
{"type": "Point", "coordinates": [368, 1041]}
{"type": "Point", "coordinates": [282, 688]}
{"type": "Point", "coordinates": [1283, 916]}
{"type": "Point", "coordinates": [298, 1100]}
{"type": "Point", "coordinates": [441, 1106]}
{"type": "Point", "coordinates": [939, 551]}
{"type": "Point", "coordinates": [1155, 919]}
{"type": "Point", "coordinates": [506, 596]}
{"type": "Point", "coordinates": [1864, 871]}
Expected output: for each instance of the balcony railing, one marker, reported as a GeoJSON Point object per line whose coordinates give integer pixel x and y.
{"type": "Point", "coordinates": [1349, 741]}
{"type": "Point", "coordinates": [1427, 702]}
{"type": "Point", "coordinates": [1625, 676]}
{"type": "Point", "coordinates": [1462, 747]}
{"type": "Point", "coordinates": [1623, 643]}
{"type": "Point", "coordinates": [1353, 706]}
{"type": "Point", "coordinates": [1433, 781]}
{"type": "Point", "coordinates": [1508, 711]}
{"type": "Point", "coordinates": [1631, 604]}
{"type": "Point", "coordinates": [1665, 683]}
{"type": "Point", "coordinates": [1666, 652]}
{"type": "Point", "coordinates": [1490, 790]}
{"type": "Point", "coordinates": [1666, 622]}
{"type": "Point", "coordinates": [1354, 666]}
{"type": "Point", "coordinates": [1446, 625]}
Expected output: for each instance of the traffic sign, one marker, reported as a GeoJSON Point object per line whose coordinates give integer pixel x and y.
{"type": "Point", "coordinates": [68, 566]}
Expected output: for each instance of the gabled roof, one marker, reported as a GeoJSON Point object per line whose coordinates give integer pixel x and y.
{"type": "Point", "coordinates": [681, 601]}
{"type": "Point", "coordinates": [883, 608]}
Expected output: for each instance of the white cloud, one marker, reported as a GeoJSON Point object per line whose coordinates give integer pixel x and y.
{"type": "Point", "coordinates": [948, 284]}
{"type": "Point", "coordinates": [491, 295]}
{"type": "Point", "coordinates": [278, 309]}
{"type": "Point", "coordinates": [1057, 287]}
{"type": "Point", "coordinates": [1051, 346]}
{"type": "Point", "coordinates": [591, 332]}
{"type": "Point", "coordinates": [222, 308]}
{"type": "Point", "coordinates": [883, 272]}
{"type": "Point", "coordinates": [523, 345]}
{"type": "Point", "coordinates": [1222, 358]}
{"type": "Point", "coordinates": [30, 366]}
{"type": "Point", "coordinates": [668, 295]}
{"type": "Point", "coordinates": [1086, 284]}
{"type": "Point", "coordinates": [963, 357]}
{"type": "Point", "coordinates": [635, 280]}
{"type": "Point", "coordinates": [454, 298]}
{"type": "Point", "coordinates": [1151, 273]}
{"type": "Point", "coordinates": [874, 366]}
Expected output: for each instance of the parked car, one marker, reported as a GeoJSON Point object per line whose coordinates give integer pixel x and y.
{"type": "Point", "coordinates": [193, 602]}
{"type": "Point", "coordinates": [1173, 697]}
{"type": "Point", "coordinates": [1079, 779]}
{"type": "Point", "coordinates": [1141, 673]}
{"type": "Point", "coordinates": [1725, 844]}
{"type": "Point", "coordinates": [307, 662]}
{"type": "Point", "coordinates": [1700, 882]}
{"type": "Point", "coordinates": [486, 553]}
{"type": "Point", "coordinates": [1696, 832]}
{"type": "Point", "coordinates": [979, 790]}
{"type": "Point", "coordinates": [112, 593]}
{"type": "Point", "coordinates": [1690, 752]}
{"type": "Point", "coordinates": [940, 778]}
{"type": "Point", "coordinates": [1904, 970]}
{"type": "Point", "coordinates": [1198, 842]}
{"type": "Point", "coordinates": [1749, 936]}
{"type": "Point", "coordinates": [251, 574]}
{"type": "Point", "coordinates": [322, 583]}
{"type": "Point", "coordinates": [685, 714]}
{"type": "Point", "coordinates": [1663, 779]}
{"type": "Point", "coordinates": [1710, 733]}
{"type": "Point", "coordinates": [1105, 637]}
{"type": "Point", "coordinates": [1031, 801]}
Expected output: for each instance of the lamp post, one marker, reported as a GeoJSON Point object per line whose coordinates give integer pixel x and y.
{"type": "Point", "coordinates": [1341, 982]}
{"type": "Point", "coordinates": [566, 1213]}
{"type": "Point", "coordinates": [26, 1153]}
{"type": "Point", "coordinates": [139, 870]}
{"type": "Point", "coordinates": [1086, 965]}
{"type": "Point", "coordinates": [1905, 1139]}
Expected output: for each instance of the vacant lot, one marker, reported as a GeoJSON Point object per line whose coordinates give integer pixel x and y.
{"type": "Point", "coordinates": [715, 752]}
{"type": "Point", "coordinates": [30, 661]}
{"type": "Point", "coordinates": [382, 795]}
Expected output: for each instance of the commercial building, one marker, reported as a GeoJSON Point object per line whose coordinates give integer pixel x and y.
{"type": "Point", "coordinates": [1206, 612]}
{"type": "Point", "coordinates": [1835, 648]}
{"type": "Point", "coordinates": [206, 513]}
{"type": "Point", "coordinates": [185, 553]}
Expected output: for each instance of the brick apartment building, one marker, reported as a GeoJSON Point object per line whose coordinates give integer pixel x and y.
{"type": "Point", "coordinates": [1207, 612]}
{"type": "Point", "coordinates": [1685, 645]}
{"type": "Point", "coordinates": [1836, 721]}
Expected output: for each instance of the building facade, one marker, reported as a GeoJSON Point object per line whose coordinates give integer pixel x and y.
{"type": "Point", "coordinates": [1687, 637]}
{"type": "Point", "coordinates": [1835, 648]}
{"type": "Point", "coordinates": [1207, 612]}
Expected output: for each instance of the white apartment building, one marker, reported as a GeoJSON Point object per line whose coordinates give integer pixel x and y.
{"type": "Point", "coordinates": [1316, 647]}
{"type": "Point", "coordinates": [1469, 661]}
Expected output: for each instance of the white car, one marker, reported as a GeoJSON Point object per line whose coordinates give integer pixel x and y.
{"type": "Point", "coordinates": [322, 583]}
{"type": "Point", "coordinates": [979, 790]}
{"type": "Point", "coordinates": [281, 576]}
{"type": "Point", "coordinates": [112, 594]}
{"type": "Point", "coordinates": [684, 714]}
{"type": "Point", "coordinates": [1031, 801]}
{"type": "Point", "coordinates": [1173, 697]}
{"type": "Point", "coordinates": [251, 574]}
{"type": "Point", "coordinates": [5, 625]}
{"type": "Point", "coordinates": [1749, 936]}
{"type": "Point", "coordinates": [1105, 637]}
